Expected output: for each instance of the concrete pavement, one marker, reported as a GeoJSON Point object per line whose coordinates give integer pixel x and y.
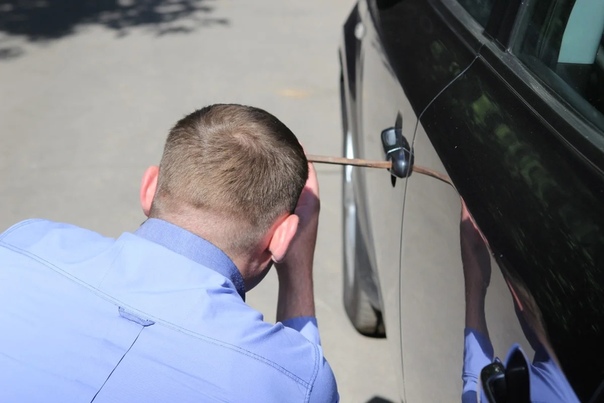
{"type": "Point", "coordinates": [87, 100]}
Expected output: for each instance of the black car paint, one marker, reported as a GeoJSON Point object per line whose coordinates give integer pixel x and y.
{"type": "Point", "coordinates": [421, 49]}
{"type": "Point", "coordinates": [529, 170]}
{"type": "Point", "coordinates": [539, 204]}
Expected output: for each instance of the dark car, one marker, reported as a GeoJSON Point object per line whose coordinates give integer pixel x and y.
{"type": "Point", "coordinates": [505, 98]}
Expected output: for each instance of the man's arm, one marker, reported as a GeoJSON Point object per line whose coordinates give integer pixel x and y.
{"type": "Point", "coordinates": [296, 295]}
{"type": "Point", "coordinates": [296, 303]}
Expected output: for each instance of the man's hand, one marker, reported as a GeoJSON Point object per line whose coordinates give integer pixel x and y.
{"type": "Point", "coordinates": [296, 297]}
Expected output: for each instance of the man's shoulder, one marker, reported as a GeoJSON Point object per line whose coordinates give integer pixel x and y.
{"type": "Point", "coordinates": [50, 241]}
{"type": "Point", "coordinates": [33, 230]}
{"type": "Point", "coordinates": [32, 225]}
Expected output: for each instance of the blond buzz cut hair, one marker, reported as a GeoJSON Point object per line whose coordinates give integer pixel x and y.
{"type": "Point", "coordinates": [238, 166]}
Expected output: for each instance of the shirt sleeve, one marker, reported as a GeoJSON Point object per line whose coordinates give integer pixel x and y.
{"type": "Point", "coordinates": [324, 389]}
{"type": "Point", "coordinates": [478, 353]}
{"type": "Point", "coordinates": [306, 326]}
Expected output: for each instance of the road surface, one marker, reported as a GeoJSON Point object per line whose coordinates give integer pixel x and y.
{"type": "Point", "coordinates": [88, 96]}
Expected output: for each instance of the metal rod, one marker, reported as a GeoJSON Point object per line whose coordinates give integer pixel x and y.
{"type": "Point", "coordinates": [349, 161]}
{"type": "Point", "coordinates": [376, 164]}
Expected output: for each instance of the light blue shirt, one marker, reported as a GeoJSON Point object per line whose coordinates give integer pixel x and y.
{"type": "Point", "coordinates": [155, 316]}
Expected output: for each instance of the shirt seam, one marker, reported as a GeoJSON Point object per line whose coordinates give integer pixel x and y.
{"type": "Point", "coordinates": [163, 322]}
{"type": "Point", "coordinates": [18, 225]}
{"type": "Point", "coordinates": [315, 371]}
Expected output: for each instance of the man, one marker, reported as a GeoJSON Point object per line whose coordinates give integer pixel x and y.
{"type": "Point", "coordinates": [159, 315]}
{"type": "Point", "coordinates": [517, 381]}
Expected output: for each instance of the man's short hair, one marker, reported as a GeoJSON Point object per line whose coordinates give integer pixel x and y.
{"type": "Point", "coordinates": [237, 163]}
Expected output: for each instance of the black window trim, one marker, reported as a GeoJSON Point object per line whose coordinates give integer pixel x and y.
{"type": "Point", "coordinates": [502, 21]}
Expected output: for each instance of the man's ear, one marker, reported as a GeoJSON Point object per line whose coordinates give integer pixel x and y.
{"type": "Point", "coordinates": [282, 236]}
{"type": "Point", "coordinates": [148, 187]}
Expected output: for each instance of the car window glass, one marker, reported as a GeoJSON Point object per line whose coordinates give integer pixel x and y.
{"type": "Point", "coordinates": [561, 42]}
{"type": "Point", "coordinates": [479, 9]}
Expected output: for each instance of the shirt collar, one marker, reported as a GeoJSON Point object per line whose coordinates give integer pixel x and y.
{"type": "Point", "coordinates": [193, 247]}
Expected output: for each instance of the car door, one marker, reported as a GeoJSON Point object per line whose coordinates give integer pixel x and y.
{"type": "Point", "coordinates": [409, 53]}
{"type": "Point", "coordinates": [430, 276]}
{"type": "Point", "coordinates": [520, 133]}
{"type": "Point", "coordinates": [381, 104]}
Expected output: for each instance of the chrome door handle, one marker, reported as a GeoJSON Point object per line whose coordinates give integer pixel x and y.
{"type": "Point", "coordinates": [398, 151]}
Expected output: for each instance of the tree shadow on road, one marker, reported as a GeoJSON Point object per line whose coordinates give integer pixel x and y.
{"type": "Point", "coordinates": [45, 20]}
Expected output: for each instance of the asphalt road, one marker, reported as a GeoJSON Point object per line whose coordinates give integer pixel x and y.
{"type": "Point", "coordinates": [87, 97]}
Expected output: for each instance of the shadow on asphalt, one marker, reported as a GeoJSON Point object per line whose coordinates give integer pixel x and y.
{"type": "Point", "coordinates": [44, 20]}
{"type": "Point", "coordinates": [377, 399]}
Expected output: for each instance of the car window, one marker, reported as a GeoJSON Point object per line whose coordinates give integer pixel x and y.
{"type": "Point", "coordinates": [479, 9]}
{"type": "Point", "coordinates": [561, 42]}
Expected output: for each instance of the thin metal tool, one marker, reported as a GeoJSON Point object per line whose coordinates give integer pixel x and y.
{"type": "Point", "coordinates": [376, 164]}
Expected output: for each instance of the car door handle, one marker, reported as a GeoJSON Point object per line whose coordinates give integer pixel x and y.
{"type": "Point", "coordinates": [398, 151]}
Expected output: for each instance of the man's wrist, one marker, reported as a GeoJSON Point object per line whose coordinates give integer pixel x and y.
{"type": "Point", "coordinates": [296, 294]}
